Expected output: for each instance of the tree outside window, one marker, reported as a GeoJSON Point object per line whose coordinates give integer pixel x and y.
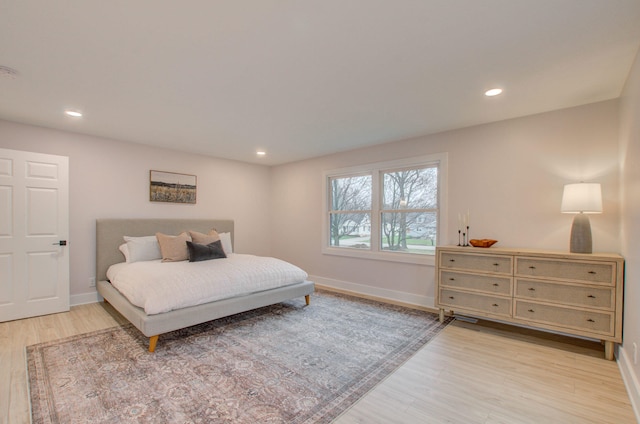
{"type": "Point", "coordinates": [350, 214]}
{"type": "Point", "coordinates": [409, 209]}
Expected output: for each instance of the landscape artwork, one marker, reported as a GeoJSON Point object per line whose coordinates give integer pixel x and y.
{"type": "Point", "coordinates": [172, 187]}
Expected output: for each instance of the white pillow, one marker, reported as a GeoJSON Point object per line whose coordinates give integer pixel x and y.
{"type": "Point", "coordinates": [225, 239]}
{"type": "Point", "coordinates": [125, 251]}
{"type": "Point", "coordinates": [143, 248]}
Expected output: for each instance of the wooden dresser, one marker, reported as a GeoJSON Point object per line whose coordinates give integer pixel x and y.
{"type": "Point", "coordinates": [574, 294]}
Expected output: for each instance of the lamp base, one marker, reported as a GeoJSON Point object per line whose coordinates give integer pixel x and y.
{"type": "Point", "coordinates": [581, 234]}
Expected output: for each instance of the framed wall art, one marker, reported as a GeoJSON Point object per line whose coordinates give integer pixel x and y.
{"type": "Point", "coordinates": [172, 187]}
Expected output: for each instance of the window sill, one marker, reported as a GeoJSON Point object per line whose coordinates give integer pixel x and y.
{"type": "Point", "coordinates": [409, 258]}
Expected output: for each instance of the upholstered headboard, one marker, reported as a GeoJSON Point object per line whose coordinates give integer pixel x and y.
{"type": "Point", "coordinates": [110, 232]}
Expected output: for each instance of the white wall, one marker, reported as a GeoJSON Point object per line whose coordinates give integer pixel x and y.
{"type": "Point", "coordinates": [630, 228]}
{"type": "Point", "coordinates": [110, 179]}
{"type": "Point", "coordinates": [509, 174]}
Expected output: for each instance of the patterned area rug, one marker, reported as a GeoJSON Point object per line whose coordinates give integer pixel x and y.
{"type": "Point", "coordinates": [286, 363]}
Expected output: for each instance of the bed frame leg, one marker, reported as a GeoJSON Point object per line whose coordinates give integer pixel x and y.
{"type": "Point", "coordinates": [153, 341]}
{"type": "Point", "coordinates": [307, 299]}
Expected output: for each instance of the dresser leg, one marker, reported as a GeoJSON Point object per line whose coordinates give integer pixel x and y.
{"type": "Point", "coordinates": [441, 315]}
{"type": "Point", "coordinates": [608, 350]}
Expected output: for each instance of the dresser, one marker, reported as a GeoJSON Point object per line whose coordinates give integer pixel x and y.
{"type": "Point", "coordinates": [570, 293]}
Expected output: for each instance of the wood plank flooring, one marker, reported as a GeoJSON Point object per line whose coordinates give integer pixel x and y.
{"type": "Point", "coordinates": [492, 373]}
{"type": "Point", "coordinates": [470, 373]}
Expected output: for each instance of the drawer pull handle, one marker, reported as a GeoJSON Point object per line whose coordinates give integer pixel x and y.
{"type": "Point", "coordinates": [496, 285]}
{"type": "Point", "coordinates": [496, 264]}
{"type": "Point", "coordinates": [592, 272]}
{"type": "Point", "coordinates": [451, 297]}
{"type": "Point", "coordinates": [452, 279]}
{"type": "Point", "coordinates": [452, 260]}
{"type": "Point", "coordinates": [532, 267]}
{"type": "Point", "coordinates": [590, 320]}
{"type": "Point", "coordinates": [591, 296]}
{"type": "Point", "coordinates": [495, 304]}
{"type": "Point", "coordinates": [531, 310]}
{"type": "Point", "coordinates": [532, 289]}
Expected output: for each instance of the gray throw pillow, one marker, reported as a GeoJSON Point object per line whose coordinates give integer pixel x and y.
{"type": "Point", "coordinates": [205, 252]}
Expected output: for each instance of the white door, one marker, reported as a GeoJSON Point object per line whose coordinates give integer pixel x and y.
{"type": "Point", "coordinates": [34, 229]}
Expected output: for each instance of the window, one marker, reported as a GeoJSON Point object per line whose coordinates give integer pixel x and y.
{"type": "Point", "coordinates": [350, 214]}
{"type": "Point", "coordinates": [409, 212]}
{"type": "Point", "coordinates": [386, 210]}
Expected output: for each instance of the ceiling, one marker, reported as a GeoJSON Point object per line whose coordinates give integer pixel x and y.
{"type": "Point", "coordinates": [304, 78]}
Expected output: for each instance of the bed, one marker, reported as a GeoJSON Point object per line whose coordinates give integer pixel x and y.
{"type": "Point", "coordinates": [109, 237]}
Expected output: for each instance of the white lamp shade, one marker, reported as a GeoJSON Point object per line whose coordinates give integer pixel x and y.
{"type": "Point", "coordinates": [582, 197]}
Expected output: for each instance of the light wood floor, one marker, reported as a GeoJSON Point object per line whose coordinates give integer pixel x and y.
{"type": "Point", "coordinates": [482, 373]}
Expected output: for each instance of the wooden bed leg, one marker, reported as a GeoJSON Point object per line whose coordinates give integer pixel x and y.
{"type": "Point", "coordinates": [307, 299]}
{"type": "Point", "coordinates": [153, 341]}
{"type": "Point", "coordinates": [608, 350]}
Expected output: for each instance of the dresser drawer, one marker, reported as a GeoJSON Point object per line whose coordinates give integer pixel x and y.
{"type": "Point", "coordinates": [476, 302]}
{"type": "Point", "coordinates": [589, 296]}
{"type": "Point", "coordinates": [486, 283]}
{"type": "Point", "coordinates": [601, 323]}
{"type": "Point", "coordinates": [484, 263]}
{"type": "Point", "coordinates": [590, 272]}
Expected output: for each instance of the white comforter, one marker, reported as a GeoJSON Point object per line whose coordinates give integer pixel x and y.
{"type": "Point", "coordinates": [160, 287]}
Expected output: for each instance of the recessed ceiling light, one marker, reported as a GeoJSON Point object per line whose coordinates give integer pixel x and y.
{"type": "Point", "coordinates": [261, 153]}
{"type": "Point", "coordinates": [493, 92]}
{"type": "Point", "coordinates": [73, 113]}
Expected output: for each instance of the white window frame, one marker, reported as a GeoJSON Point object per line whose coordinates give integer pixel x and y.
{"type": "Point", "coordinates": [375, 170]}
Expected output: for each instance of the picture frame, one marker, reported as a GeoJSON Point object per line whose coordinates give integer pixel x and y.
{"type": "Point", "coordinates": [172, 187]}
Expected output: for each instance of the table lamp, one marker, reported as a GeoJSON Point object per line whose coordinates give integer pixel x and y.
{"type": "Point", "coordinates": [581, 199]}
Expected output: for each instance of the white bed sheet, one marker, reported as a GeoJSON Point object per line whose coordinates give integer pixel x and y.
{"type": "Point", "coordinates": [159, 287]}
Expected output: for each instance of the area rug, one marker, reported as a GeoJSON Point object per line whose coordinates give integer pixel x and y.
{"type": "Point", "coordinates": [286, 363]}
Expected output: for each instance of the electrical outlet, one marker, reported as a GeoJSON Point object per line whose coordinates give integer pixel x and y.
{"type": "Point", "coordinates": [635, 353]}
{"type": "Point", "coordinates": [92, 282]}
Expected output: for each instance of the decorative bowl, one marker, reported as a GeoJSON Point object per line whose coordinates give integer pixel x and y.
{"type": "Point", "coordinates": [482, 242]}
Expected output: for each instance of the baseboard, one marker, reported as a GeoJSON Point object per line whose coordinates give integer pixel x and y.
{"type": "Point", "coordinates": [84, 298]}
{"type": "Point", "coordinates": [376, 293]}
{"type": "Point", "coordinates": [630, 380]}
